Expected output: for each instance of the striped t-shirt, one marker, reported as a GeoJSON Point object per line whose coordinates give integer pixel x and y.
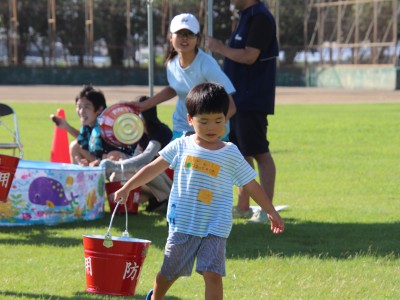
{"type": "Point", "coordinates": [201, 196]}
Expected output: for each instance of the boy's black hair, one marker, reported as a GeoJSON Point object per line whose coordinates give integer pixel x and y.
{"type": "Point", "coordinates": [207, 98]}
{"type": "Point", "coordinates": [95, 96]}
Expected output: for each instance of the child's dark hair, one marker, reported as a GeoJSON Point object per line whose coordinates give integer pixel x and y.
{"type": "Point", "coordinates": [150, 117]}
{"type": "Point", "coordinates": [207, 98]}
{"type": "Point", "coordinates": [95, 96]}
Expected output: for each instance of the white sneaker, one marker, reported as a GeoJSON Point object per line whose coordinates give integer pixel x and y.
{"type": "Point", "coordinates": [259, 216]}
{"type": "Point", "coordinates": [239, 214]}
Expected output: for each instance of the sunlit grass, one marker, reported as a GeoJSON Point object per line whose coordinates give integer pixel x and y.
{"type": "Point", "coordinates": [339, 172]}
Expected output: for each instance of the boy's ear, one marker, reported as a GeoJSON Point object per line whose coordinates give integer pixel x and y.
{"type": "Point", "coordinates": [190, 120]}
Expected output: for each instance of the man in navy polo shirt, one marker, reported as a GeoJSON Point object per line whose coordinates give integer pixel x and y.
{"type": "Point", "coordinates": [250, 63]}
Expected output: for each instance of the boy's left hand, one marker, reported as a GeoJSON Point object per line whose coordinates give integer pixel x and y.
{"type": "Point", "coordinates": [277, 224]}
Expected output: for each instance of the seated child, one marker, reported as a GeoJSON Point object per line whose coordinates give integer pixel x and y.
{"type": "Point", "coordinates": [90, 148]}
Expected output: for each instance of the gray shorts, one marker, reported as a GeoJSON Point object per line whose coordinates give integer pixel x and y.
{"type": "Point", "coordinates": [182, 249]}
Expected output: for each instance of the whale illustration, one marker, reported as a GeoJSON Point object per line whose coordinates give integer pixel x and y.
{"type": "Point", "coordinates": [48, 191]}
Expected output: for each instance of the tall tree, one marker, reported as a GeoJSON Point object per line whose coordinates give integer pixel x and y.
{"type": "Point", "coordinates": [291, 27]}
{"type": "Point", "coordinates": [71, 27]}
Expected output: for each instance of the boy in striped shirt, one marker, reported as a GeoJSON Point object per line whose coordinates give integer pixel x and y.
{"type": "Point", "coordinates": [200, 204]}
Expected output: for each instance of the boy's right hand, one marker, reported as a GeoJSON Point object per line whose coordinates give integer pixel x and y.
{"type": "Point", "coordinates": [60, 122]}
{"type": "Point", "coordinates": [121, 195]}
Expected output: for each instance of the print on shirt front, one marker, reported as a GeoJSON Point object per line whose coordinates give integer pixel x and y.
{"type": "Point", "coordinates": [201, 197]}
{"type": "Point", "coordinates": [202, 165]}
{"type": "Point", "coordinates": [207, 167]}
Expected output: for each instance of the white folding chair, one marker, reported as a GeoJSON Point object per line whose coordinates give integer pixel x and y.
{"type": "Point", "coordinates": [10, 127]}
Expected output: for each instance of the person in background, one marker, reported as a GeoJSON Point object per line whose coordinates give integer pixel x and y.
{"type": "Point", "coordinates": [250, 63]}
{"type": "Point", "coordinates": [199, 209]}
{"type": "Point", "coordinates": [89, 148]}
{"type": "Point", "coordinates": [187, 66]}
{"type": "Point", "coordinates": [156, 136]}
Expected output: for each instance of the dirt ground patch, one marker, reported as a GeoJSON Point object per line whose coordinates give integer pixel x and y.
{"type": "Point", "coordinates": [284, 95]}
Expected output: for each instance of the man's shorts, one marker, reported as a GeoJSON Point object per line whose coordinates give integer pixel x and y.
{"type": "Point", "coordinates": [182, 249]}
{"type": "Point", "coordinates": [249, 132]}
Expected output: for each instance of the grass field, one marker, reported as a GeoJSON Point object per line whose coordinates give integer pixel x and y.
{"type": "Point", "coordinates": [339, 172]}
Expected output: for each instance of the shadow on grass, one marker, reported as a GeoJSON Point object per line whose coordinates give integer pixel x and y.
{"type": "Point", "coordinates": [142, 226]}
{"type": "Point", "coordinates": [77, 296]}
{"type": "Point", "coordinates": [313, 239]}
{"type": "Point", "coordinates": [14, 295]}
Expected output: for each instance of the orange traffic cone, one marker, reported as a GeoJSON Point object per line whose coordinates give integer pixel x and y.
{"type": "Point", "coordinates": [60, 147]}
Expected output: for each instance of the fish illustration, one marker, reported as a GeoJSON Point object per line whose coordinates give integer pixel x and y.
{"type": "Point", "coordinates": [48, 191]}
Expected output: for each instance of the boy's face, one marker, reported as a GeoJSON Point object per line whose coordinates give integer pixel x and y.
{"type": "Point", "coordinates": [209, 127]}
{"type": "Point", "coordinates": [86, 112]}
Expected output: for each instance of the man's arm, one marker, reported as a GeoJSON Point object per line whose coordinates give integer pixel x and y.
{"type": "Point", "coordinates": [247, 55]}
{"type": "Point", "coordinates": [261, 35]}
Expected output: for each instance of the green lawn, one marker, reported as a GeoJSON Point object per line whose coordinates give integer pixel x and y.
{"type": "Point", "coordinates": [339, 172]}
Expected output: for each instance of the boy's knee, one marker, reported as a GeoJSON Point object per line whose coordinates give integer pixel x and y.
{"type": "Point", "coordinates": [73, 146]}
{"type": "Point", "coordinates": [74, 149]}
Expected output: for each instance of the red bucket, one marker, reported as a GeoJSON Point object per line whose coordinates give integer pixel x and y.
{"type": "Point", "coordinates": [132, 204]}
{"type": "Point", "coordinates": [113, 264]}
{"type": "Point", "coordinates": [8, 166]}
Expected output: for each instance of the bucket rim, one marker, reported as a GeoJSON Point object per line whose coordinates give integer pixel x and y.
{"type": "Point", "coordinates": [116, 238]}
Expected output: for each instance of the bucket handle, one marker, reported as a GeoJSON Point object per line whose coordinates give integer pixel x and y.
{"type": "Point", "coordinates": [108, 238]}
{"type": "Point", "coordinates": [123, 178]}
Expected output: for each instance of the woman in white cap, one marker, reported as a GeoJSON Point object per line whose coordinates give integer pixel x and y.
{"type": "Point", "coordinates": [187, 66]}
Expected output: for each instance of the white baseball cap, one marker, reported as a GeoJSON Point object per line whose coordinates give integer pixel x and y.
{"type": "Point", "coordinates": [185, 21]}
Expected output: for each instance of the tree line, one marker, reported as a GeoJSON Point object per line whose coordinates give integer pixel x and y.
{"type": "Point", "coordinates": [110, 25]}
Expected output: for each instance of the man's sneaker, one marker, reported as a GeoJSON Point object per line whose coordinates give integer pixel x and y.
{"type": "Point", "coordinates": [259, 216]}
{"type": "Point", "coordinates": [149, 294]}
{"type": "Point", "coordinates": [239, 214]}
